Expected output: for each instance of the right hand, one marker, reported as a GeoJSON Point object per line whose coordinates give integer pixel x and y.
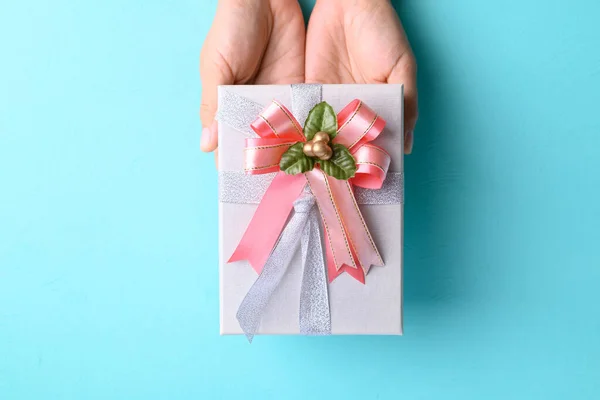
{"type": "Point", "coordinates": [250, 42]}
{"type": "Point", "coordinates": [362, 41]}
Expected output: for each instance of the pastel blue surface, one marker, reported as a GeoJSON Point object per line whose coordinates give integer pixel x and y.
{"type": "Point", "coordinates": [108, 213]}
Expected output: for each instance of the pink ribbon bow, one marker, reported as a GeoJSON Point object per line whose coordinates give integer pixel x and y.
{"type": "Point", "coordinates": [348, 243]}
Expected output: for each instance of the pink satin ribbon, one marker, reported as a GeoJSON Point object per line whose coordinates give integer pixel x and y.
{"type": "Point", "coordinates": [349, 246]}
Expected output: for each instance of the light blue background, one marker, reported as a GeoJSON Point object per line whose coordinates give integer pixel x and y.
{"type": "Point", "coordinates": [108, 213]}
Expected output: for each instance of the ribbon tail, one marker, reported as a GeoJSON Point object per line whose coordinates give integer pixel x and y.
{"type": "Point", "coordinates": [268, 220]}
{"type": "Point", "coordinates": [252, 307]}
{"type": "Point", "coordinates": [335, 233]}
{"type": "Point", "coordinates": [315, 317]}
{"type": "Point", "coordinates": [364, 250]}
{"type": "Point", "coordinates": [333, 272]}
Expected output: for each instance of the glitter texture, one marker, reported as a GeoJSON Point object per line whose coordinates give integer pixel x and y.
{"type": "Point", "coordinates": [314, 301]}
{"type": "Point", "coordinates": [392, 191]}
{"type": "Point", "coordinates": [315, 317]}
{"type": "Point", "coordinates": [304, 98]}
{"type": "Point", "coordinates": [238, 111]}
{"type": "Point", "coordinates": [239, 188]}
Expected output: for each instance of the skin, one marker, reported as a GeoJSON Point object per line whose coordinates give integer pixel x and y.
{"type": "Point", "coordinates": [362, 41]}
{"type": "Point", "coordinates": [250, 42]}
{"type": "Point", "coordinates": [264, 42]}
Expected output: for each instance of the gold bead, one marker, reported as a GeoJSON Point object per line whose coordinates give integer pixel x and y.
{"type": "Point", "coordinates": [308, 149]}
{"type": "Point", "coordinates": [319, 148]}
{"type": "Point", "coordinates": [321, 137]}
{"type": "Point", "coordinates": [327, 155]}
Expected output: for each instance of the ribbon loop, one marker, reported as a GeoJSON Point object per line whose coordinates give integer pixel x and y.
{"type": "Point", "coordinates": [262, 155]}
{"type": "Point", "coordinates": [358, 124]}
{"type": "Point", "coordinates": [277, 121]}
{"type": "Point", "coordinates": [372, 164]}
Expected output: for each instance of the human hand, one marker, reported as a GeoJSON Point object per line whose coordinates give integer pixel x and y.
{"type": "Point", "coordinates": [362, 41]}
{"type": "Point", "coordinates": [250, 42]}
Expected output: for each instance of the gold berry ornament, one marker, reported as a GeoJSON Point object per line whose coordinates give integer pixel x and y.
{"type": "Point", "coordinates": [308, 149]}
{"type": "Point", "coordinates": [318, 147]}
{"type": "Point", "coordinates": [321, 137]}
{"type": "Point", "coordinates": [327, 154]}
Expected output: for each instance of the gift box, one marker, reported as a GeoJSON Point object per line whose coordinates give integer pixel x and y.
{"type": "Point", "coordinates": [311, 244]}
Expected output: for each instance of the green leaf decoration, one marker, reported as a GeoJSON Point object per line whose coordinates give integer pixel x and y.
{"type": "Point", "coordinates": [294, 161]}
{"type": "Point", "coordinates": [322, 118]}
{"type": "Point", "coordinates": [341, 165]}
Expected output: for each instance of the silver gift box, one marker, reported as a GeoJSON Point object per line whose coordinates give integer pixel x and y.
{"type": "Point", "coordinates": [374, 308]}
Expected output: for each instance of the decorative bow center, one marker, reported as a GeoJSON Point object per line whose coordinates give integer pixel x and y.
{"type": "Point", "coordinates": [330, 154]}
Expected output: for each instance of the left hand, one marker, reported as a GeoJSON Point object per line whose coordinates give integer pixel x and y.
{"type": "Point", "coordinates": [362, 41]}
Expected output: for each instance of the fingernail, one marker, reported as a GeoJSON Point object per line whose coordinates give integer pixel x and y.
{"type": "Point", "coordinates": [214, 127]}
{"type": "Point", "coordinates": [205, 138]}
{"type": "Point", "coordinates": [408, 142]}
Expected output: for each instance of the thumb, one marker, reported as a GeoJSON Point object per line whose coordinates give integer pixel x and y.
{"type": "Point", "coordinates": [405, 72]}
{"type": "Point", "coordinates": [214, 71]}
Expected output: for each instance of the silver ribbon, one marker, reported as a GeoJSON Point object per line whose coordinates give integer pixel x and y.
{"type": "Point", "coordinates": [237, 111]}
{"type": "Point", "coordinates": [315, 317]}
{"type": "Point", "coordinates": [239, 188]}
{"type": "Point", "coordinates": [314, 299]}
{"type": "Point", "coordinates": [304, 98]}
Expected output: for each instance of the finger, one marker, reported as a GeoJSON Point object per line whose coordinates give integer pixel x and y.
{"type": "Point", "coordinates": [214, 71]}
{"type": "Point", "coordinates": [209, 138]}
{"type": "Point", "coordinates": [405, 72]}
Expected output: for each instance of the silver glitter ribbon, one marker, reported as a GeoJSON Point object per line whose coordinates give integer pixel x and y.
{"type": "Point", "coordinates": [237, 111]}
{"type": "Point", "coordinates": [315, 317]}
{"type": "Point", "coordinates": [314, 299]}
{"type": "Point", "coordinates": [304, 98]}
{"type": "Point", "coordinates": [239, 188]}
